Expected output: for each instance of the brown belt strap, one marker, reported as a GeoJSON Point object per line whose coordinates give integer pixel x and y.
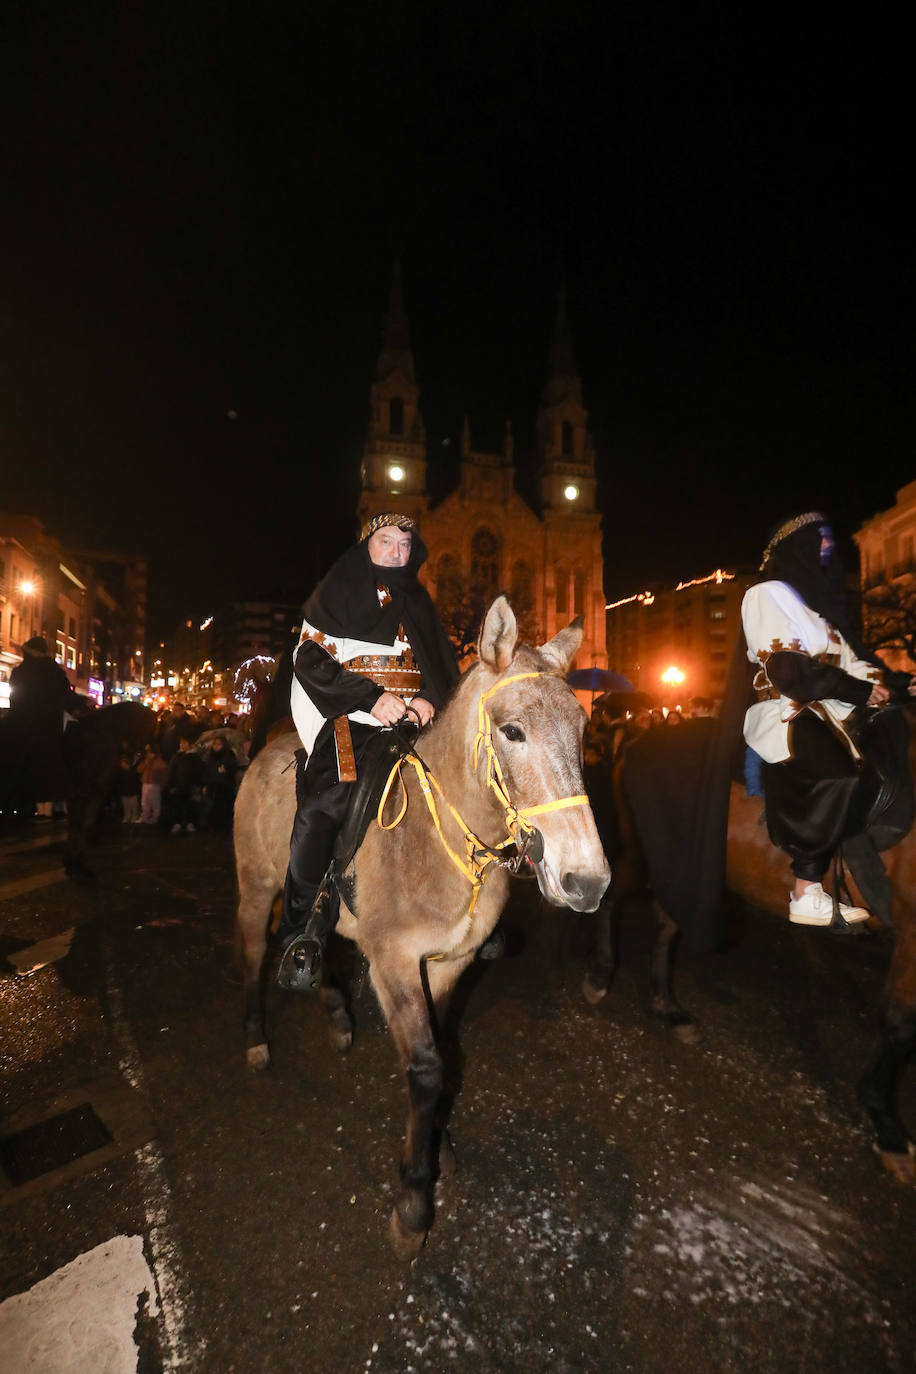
{"type": "Point", "coordinates": [346, 763]}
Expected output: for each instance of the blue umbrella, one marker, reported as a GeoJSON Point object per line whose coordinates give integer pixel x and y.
{"type": "Point", "coordinates": [598, 680]}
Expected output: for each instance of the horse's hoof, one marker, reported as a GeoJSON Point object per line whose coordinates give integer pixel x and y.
{"type": "Point", "coordinates": [901, 1165]}
{"type": "Point", "coordinates": [405, 1244]}
{"type": "Point", "coordinates": [592, 991]}
{"type": "Point", "coordinates": [341, 1040]}
{"type": "Point", "coordinates": [258, 1057]}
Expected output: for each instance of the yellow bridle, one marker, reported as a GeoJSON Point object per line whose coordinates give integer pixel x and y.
{"type": "Point", "coordinates": [479, 857]}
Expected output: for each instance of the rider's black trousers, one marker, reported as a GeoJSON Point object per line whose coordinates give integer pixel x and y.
{"type": "Point", "coordinates": [817, 798]}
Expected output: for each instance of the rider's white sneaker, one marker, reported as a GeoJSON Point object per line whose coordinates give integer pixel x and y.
{"type": "Point", "coordinates": [815, 908]}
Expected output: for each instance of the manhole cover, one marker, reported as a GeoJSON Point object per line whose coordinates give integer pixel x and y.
{"type": "Point", "coordinates": [52, 1143]}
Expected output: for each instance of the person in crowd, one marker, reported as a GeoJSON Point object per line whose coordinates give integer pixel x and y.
{"type": "Point", "coordinates": [183, 784]}
{"type": "Point", "coordinates": [220, 769]}
{"type": "Point", "coordinates": [128, 788]}
{"type": "Point", "coordinates": [700, 707]}
{"type": "Point", "coordinates": [181, 726]}
{"type": "Point", "coordinates": [40, 697]}
{"type": "Point", "coordinates": [816, 775]}
{"type": "Point", "coordinates": [371, 651]}
{"type": "Point", "coordinates": [153, 773]}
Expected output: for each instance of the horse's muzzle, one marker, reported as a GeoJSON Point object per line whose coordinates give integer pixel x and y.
{"type": "Point", "coordinates": [580, 891]}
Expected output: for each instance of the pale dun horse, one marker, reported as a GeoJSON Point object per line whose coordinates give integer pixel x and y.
{"type": "Point", "coordinates": [499, 771]}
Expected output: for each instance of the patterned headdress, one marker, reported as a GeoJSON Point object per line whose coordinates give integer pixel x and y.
{"type": "Point", "coordinates": [798, 522]}
{"type": "Point", "coordinates": [378, 522]}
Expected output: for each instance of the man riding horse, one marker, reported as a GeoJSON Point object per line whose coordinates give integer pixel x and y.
{"type": "Point", "coordinates": [371, 651]}
{"type": "Point", "coordinates": [819, 773]}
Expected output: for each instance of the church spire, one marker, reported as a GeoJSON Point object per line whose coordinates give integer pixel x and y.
{"type": "Point", "coordinates": [393, 471]}
{"type": "Point", "coordinates": [396, 354]}
{"type": "Point", "coordinates": [562, 374]}
{"type": "Point", "coordinates": [567, 460]}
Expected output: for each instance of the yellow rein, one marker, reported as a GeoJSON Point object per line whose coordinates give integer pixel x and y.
{"type": "Point", "coordinates": [479, 857]}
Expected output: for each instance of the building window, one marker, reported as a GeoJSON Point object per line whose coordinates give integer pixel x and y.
{"type": "Point", "coordinates": [59, 652]}
{"type": "Point", "coordinates": [71, 657]}
{"type": "Point", "coordinates": [485, 563]}
{"type": "Point", "coordinates": [579, 592]}
{"type": "Point", "coordinates": [72, 628]}
{"type": "Point", "coordinates": [522, 587]}
{"type": "Point", "coordinates": [568, 444]}
{"type": "Point", "coordinates": [448, 581]}
{"type": "Point", "coordinates": [395, 415]}
{"type": "Point", "coordinates": [562, 576]}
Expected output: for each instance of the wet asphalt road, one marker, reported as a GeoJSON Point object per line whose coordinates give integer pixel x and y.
{"type": "Point", "coordinates": [623, 1201]}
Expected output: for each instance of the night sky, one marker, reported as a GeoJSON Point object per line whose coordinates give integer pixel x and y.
{"type": "Point", "coordinates": [202, 204]}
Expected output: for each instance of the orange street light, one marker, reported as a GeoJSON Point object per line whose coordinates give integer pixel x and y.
{"type": "Point", "coordinates": [673, 676]}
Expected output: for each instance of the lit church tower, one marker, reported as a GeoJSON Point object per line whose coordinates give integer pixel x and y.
{"type": "Point", "coordinates": [573, 566]}
{"type": "Point", "coordinates": [565, 453]}
{"type": "Point", "coordinates": [393, 475]}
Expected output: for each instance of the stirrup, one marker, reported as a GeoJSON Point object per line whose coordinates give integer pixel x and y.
{"type": "Point", "coordinates": [300, 964]}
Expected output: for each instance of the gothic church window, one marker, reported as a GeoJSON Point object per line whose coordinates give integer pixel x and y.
{"type": "Point", "coordinates": [568, 446]}
{"type": "Point", "coordinates": [562, 576]}
{"type": "Point", "coordinates": [579, 592]}
{"type": "Point", "coordinates": [485, 563]}
{"type": "Point", "coordinates": [396, 415]}
{"type": "Point", "coordinates": [522, 587]}
{"type": "Point", "coordinates": [448, 580]}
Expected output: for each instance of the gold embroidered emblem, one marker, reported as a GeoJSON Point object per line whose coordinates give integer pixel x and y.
{"type": "Point", "coordinates": [320, 638]}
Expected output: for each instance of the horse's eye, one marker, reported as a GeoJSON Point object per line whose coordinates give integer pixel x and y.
{"type": "Point", "coordinates": [513, 733]}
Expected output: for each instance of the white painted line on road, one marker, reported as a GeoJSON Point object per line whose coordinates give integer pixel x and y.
{"type": "Point", "coordinates": [33, 882]}
{"type": "Point", "coordinates": [83, 1316]}
{"type": "Point", "coordinates": [26, 961]}
{"type": "Point", "coordinates": [179, 1350]}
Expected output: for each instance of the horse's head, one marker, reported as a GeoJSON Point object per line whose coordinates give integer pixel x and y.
{"type": "Point", "coordinates": [532, 725]}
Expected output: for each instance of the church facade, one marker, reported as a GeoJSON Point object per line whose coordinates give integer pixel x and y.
{"type": "Point", "coordinates": [484, 537]}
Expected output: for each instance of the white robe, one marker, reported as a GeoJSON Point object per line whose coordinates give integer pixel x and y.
{"type": "Point", "coordinates": [775, 618]}
{"type": "Point", "coordinates": [305, 713]}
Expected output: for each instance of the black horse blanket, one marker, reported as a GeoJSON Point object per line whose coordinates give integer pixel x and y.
{"type": "Point", "coordinates": [676, 781]}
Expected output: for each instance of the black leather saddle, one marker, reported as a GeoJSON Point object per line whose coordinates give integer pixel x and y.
{"type": "Point", "coordinates": [379, 755]}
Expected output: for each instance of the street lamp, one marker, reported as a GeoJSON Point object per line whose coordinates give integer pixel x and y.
{"type": "Point", "coordinates": [672, 678]}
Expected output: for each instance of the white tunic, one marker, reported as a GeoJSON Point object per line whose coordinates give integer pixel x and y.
{"type": "Point", "coordinates": [305, 713]}
{"type": "Point", "coordinates": [775, 618]}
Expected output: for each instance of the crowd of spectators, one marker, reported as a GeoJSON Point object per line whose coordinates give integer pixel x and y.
{"type": "Point", "coordinates": [188, 779]}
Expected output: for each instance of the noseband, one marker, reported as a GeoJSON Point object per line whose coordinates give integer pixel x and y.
{"type": "Point", "coordinates": [480, 857]}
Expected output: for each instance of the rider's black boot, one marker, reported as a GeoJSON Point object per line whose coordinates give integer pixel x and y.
{"type": "Point", "coordinates": [303, 946]}
{"type": "Point", "coordinates": [494, 946]}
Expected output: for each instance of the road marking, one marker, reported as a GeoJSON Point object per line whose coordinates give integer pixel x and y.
{"type": "Point", "coordinates": [32, 882]}
{"type": "Point", "coordinates": [26, 961]}
{"type": "Point", "coordinates": [81, 1317]}
{"type": "Point", "coordinates": [179, 1350]}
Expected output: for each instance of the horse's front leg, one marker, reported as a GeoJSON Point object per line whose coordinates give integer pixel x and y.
{"type": "Point", "coordinates": [603, 962]}
{"type": "Point", "coordinates": [662, 1002]}
{"type": "Point", "coordinates": [252, 922]}
{"type": "Point", "coordinates": [399, 987]}
{"type": "Point", "coordinates": [877, 1089]}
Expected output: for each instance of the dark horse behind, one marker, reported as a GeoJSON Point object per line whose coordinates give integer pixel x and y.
{"type": "Point", "coordinates": [92, 747]}
{"type": "Point", "coordinates": [648, 802]}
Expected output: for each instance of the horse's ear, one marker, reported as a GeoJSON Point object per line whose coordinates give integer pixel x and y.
{"type": "Point", "coordinates": [498, 635]}
{"type": "Point", "coordinates": [562, 649]}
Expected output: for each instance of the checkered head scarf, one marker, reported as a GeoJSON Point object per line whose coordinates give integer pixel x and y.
{"type": "Point", "coordinates": [379, 522]}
